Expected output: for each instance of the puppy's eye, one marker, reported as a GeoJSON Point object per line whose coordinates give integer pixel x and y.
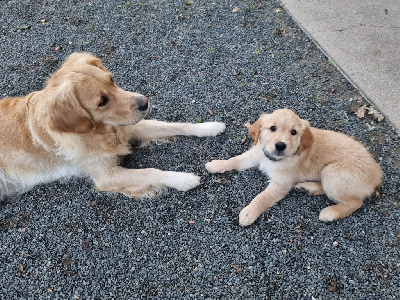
{"type": "Point", "coordinates": [104, 100]}
{"type": "Point", "coordinates": [293, 132]}
{"type": "Point", "coordinates": [112, 80]}
{"type": "Point", "coordinates": [273, 128]}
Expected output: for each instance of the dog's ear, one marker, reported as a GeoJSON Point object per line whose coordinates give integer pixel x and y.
{"type": "Point", "coordinates": [254, 130]}
{"type": "Point", "coordinates": [307, 138]}
{"type": "Point", "coordinates": [77, 58]}
{"type": "Point", "coordinates": [66, 114]}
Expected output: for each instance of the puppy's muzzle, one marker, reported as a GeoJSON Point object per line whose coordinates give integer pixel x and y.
{"type": "Point", "coordinates": [280, 148]}
{"type": "Point", "coordinates": [142, 103]}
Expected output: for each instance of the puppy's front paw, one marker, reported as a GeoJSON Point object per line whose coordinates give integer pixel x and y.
{"type": "Point", "coordinates": [247, 216]}
{"type": "Point", "coordinates": [209, 128]}
{"type": "Point", "coordinates": [216, 166]}
{"type": "Point", "coordinates": [183, 181]}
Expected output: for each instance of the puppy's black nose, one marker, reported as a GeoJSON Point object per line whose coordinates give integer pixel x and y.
{"type": "Point", "coordinates": [143, 103]}
{"type": "Point", "coordinates": [280, 146]}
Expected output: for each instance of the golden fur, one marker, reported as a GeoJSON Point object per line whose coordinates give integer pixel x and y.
{"type": "Point", "coordinates": [293, 154]}
{"type": "Point", "coordinates": [79, 125]}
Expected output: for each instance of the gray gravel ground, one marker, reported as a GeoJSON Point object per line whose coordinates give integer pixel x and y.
{"type": "Point", "coordinates": [205, 61]}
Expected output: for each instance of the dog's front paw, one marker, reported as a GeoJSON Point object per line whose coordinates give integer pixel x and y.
{"type": "Point", "coordinates": [247, 216]}
{"type": "Point", "coordinates": [183, 181]}
{"type": "Point", "coordinates": [216, 166]}
{"type": "Point", "coordinates": [209, 128]}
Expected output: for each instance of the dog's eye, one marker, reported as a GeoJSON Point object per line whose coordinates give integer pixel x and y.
{"type": "Point", "coordinates": [112, 80]}
{"type": "Point", "coordinates": [104, 100]}
{"type": "Point", "coordinates": [273, 128]}
{"type": "Point", "coordinates": [293, 132]}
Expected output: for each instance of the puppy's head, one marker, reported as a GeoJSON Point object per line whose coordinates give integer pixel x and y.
{"type": "Point", "coordinates": [84, 96]}
{"type": "Point", "coordinates": [281, 134]}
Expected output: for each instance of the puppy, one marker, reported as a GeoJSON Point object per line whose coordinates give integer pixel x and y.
{"type": "Point", "coordinates": [293, 154]}
{"type": "Point", "coordinates": [79, 125]}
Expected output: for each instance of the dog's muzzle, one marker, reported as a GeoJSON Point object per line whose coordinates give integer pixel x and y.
{"type": "Point", "coordinates": [273, 158]}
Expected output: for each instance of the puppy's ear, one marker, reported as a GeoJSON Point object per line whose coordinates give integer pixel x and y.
{"type": "Point", "coordinates": [254, 130]}
{"type": "Point", "coordinates": [307, 138]}
{"type": "Point", "coordinates": [66, 114]}
{"type": "Point", "coordinates": [77, 58]}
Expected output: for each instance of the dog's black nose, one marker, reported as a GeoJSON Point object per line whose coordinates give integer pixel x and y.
{"type": "Point", "coordinates": [143, 103]}
{"type": "Point", "coordinates": [280, 146]}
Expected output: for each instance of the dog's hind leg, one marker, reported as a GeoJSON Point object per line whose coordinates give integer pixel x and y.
{"type": "Point", "coordinates": [343, 209]}
{"type": "Point", "coordinates": [311, 187]}
{"type": "Point", "coordinates": [341, 185]}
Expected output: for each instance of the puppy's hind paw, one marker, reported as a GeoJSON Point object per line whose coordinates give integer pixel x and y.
{"type": "Point", "coordinates": [312, 188]}
{"type": "Point", "coordinates": [328, 214]}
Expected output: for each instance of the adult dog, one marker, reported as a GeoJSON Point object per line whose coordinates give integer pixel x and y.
{"type": "Point", "coordinates": [292, 153]}
{"type": "Point", "coordinates": [79, 125]}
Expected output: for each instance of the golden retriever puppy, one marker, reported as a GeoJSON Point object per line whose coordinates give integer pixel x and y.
{"type": "Point", "coordinates": [293, 154]}
{"type": "Point", "coordinates": [79, 125]}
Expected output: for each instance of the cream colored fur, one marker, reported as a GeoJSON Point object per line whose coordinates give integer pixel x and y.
{"type": "Point", "coordinates": [79, 125]}
{"type": "Point", "coordinates": [319, 161]}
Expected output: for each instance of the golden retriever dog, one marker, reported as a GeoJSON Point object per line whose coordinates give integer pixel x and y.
{"type": "Point", "coordinates": [79, 125]}
{"type": "Point", "coordinates": [293, 154]}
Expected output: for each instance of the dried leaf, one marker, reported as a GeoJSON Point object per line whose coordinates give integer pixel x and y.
{"type": "Point", "coordinates": [222, 180]}
{"type": "Point", "coordinates": [236, 268]}
{"type": "Point", "coordinates": [330, 91]}
{"type": "Point", "coordinates": [235, 9]}
{"type": "Point", "coordinates": [85, 244]}
{"type": "Point", "coordinates": [191, 222]}
{"type": "Point", "coordinates": [376, 114]}
{"type": "Point", "coordinates": [334, 285]}
{"type": "Point", "coordinates": [361, 111]}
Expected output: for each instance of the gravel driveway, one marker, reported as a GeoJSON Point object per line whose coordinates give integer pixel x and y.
{"type": "Point", "coordinates": [199, 60]}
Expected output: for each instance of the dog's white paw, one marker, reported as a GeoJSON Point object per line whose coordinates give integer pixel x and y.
{"type": "Point", "coordinates": [247, 216]}
{"type": "Point", "coordinates": [328, 214]}
{"type": "Point", "coordinates": [216, 166]}
{"type": "Point", "coordinates": [183, 181]}
{"type": "Point", "coordinates": [209, 129]}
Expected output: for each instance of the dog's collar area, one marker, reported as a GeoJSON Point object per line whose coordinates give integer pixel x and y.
{"type": "Point", "coordinates": [270, 157]}
{"type": "Point", "coordinates": [274, 159]}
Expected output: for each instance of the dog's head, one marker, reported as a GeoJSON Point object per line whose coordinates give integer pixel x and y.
{"type": "Point", "coordinates": [83, 96]}
{"type": "Point", "coordinates": [281, 134]}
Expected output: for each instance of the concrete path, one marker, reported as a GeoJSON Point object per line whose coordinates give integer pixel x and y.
{"type": "Point", "coordinates": [362, 37]}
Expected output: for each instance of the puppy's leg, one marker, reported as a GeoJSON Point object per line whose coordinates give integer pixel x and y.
{"type": "Point", "coordinates": [142, 182]}
{"type": "Point", "coordinates": [241, 162]}
{"type": "Point", "coordinates": [343, 209]}
{"type": "Point", "coordinates": [150, 130]}
{"type": "Point", "coordinates": [313, 188]}
{"type": "Point", "coordinates": [346, 187]}
{"type": "Point", "coordinates": [262, 202]}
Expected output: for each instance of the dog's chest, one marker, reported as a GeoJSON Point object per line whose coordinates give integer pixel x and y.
{"type": "Point", "coordinates": [282, 171]}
